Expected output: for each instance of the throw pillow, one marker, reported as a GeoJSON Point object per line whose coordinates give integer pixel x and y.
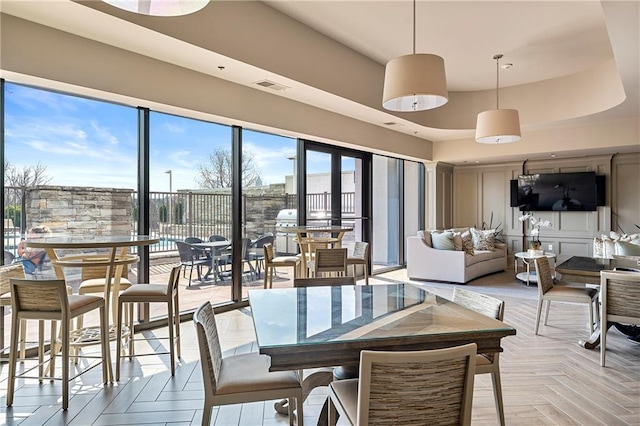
{"type": "Point", "coordinates": [624, 248]}
{"type": "Point", "coordinates": [426, 238]}
{"type": "Point", "coordinates": [442, 240]}
{"type": "Point", "coordinates": [483, 239]}
{"type": "Point", "coordinates": [467, 243]}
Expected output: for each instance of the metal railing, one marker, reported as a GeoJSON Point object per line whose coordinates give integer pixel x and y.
{"type": "Point", "coordinates": [177, 215]}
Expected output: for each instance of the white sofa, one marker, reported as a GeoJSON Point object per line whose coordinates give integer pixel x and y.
{"type": "Point", "coordinates": [427, 263]}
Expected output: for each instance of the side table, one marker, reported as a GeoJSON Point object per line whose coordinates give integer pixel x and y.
{"type": "Point", "coordinates": [527, 259]}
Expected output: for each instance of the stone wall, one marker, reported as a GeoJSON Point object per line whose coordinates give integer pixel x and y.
{"type": "Point", "coordinates": [80, 210]}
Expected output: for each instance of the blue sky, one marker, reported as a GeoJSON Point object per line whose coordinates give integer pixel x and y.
{"type": "Point", "coordinates": [83, 142]}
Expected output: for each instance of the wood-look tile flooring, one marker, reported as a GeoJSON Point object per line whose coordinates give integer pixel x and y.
{"type": "Point", "coordinates": [547, 379]}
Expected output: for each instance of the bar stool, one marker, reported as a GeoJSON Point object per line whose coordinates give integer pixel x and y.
{"type": "Point", "coordinates": [152, 293]}
{"type": "Point", "coordinates": [47, 300]}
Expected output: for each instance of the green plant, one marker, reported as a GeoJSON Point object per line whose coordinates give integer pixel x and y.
{"type": "Point", "coordinates": [499, 231]}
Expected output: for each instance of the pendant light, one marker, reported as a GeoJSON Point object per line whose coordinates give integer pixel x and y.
{"type": "Point", "coordinates": [415, 82]}
{"type": "Point", "coordinates": [498, 125]}
{"type": "Point", "coordinates": [159, 7]}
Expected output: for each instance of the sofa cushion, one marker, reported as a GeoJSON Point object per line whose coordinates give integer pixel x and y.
{"type": "Point", "coordinates": [482, 255]}
{"type": "Point", "coordinates": [483, 239]}
{"type": "Point", "coordinates": [442, 240]}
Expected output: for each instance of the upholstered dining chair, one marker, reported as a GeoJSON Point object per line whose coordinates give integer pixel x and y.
{"type": "Point", "coordinates": [153, 293]}
{"type": "Point", "coordinates": [47, 300]}
{"type": "Point", "coordinates": [485, 363]}
{"type": "Point", "coordinates": [329, 261]}
{"type": "Point", "coordinates": [272, 262]}
{"type": "Point", "coordinates": [548, 292]}
{"type": "Point", "coordinates": [360, 256]}
{"type": "Point", "coordinates": [620, 298]}
{"type": "Point", "coordinates": [408, 388]}
{"type": "Point", "coordinates": [240, 378]}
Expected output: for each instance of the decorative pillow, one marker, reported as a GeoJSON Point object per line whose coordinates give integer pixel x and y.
{"type": "Point", "coordinates": [483, 239]}
{"type": "Point", "coordinates": [426, 238]}
{"type": "Point", "coordinates": [442, 240]}
{"type": "Point", "coordinates": [467, 243]}
{"type": "Point", "coordinates": [627, 249]}
{"type": "Point", "coordinates": [463, 242]}
{"type": "Point", "coordinates": [598, 247]}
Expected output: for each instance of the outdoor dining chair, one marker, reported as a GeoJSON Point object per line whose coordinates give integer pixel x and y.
{"type": "Point", "coordinates": [189, 259]}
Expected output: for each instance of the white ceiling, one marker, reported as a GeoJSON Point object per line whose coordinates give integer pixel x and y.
{"type": "Point", "coordinates": [542, 39]}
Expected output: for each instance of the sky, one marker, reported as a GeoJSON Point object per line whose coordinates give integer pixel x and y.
{"type": "Point", "coordinates": [83, 142]}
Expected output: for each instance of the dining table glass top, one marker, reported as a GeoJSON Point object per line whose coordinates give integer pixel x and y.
{"type": "Point", "coordinates": [309, 316]}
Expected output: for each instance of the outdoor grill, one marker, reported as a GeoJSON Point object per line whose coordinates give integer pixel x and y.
{"type": "Point", "coordinates": [285, 240]}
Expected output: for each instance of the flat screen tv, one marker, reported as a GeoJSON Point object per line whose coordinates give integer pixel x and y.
{"type": "Point", "coordinates": [558, 192]}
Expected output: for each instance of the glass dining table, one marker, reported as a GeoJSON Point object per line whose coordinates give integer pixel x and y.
{"type": "Point", "coordinates": [314, 327]}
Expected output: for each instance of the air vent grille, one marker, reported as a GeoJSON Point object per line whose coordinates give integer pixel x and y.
{"type": "Point", "coordinates": [272, 85]}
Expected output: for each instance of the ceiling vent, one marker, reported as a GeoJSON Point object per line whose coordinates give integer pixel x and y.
{"type": "Point", "coordinates": [391, 123]}
{"type": "Point", "coordinates": [272, 85]}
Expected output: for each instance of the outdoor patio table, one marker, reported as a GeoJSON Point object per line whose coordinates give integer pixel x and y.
{"type": "Point", "coordinates": [213, 247]}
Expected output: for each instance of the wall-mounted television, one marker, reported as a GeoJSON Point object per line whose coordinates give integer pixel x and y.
{"type": "Point", "coordinates": [581, 191]}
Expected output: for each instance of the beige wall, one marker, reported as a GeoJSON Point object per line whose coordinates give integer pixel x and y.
{"type": "Point", "coordinates": [480, 191]}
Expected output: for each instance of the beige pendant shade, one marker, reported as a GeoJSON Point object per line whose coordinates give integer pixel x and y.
{"type": "Point", "coordinates": [159, 7]}
{"type": "Point", "coordinates": [498, 126]}
{"type": "Point", "coordinates": [415, 83]}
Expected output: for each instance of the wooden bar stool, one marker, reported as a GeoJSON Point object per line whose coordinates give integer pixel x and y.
{"type": "Point", "coordinates": [152, 293]}
{"type": "Point", "coordinates": [47, 300]}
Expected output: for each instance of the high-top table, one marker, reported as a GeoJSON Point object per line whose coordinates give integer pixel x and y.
{"type": "Point", "coordinates": [79, 251]}
{"type": "Point", "coordinates": [328, 326]}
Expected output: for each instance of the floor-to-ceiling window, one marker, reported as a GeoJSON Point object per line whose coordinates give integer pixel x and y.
{"type": "Point", "coordinates": [386, 208]}
{"type": "Point", "coordinates": [190, 179]}
{"type": "Point", "coordinates": [268, 189]}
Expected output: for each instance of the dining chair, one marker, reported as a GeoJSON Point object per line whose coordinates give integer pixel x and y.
{"type": "Point", "coordinates": [360, 256]}
{"type": "Point", "coordinates": [257, 251]}
{"type": "Point", "coordinates": [200, 253]}
{"type": "Point", "coordinates": [620, 298]}
{"type": "Point", "coordinates": [47, 300]}
{"type": "Point", "coordinates": [189, 259]}
{"type": "Point", "coordinates": [433, 387]}
{"type": "Point", "coordinates": [323, 281]}
{"type": "Point", "coordinates": [272, 262]}
{"type": "Point", "coordinates": [548, 292]}
{"type": "Point", "coordinates": [485, 363]}
{"type": "Point", "coordinates": [153, 293]}
{"type": "Point", "coordinates": [240, 378]}
{"type": "Point", "coordinates": [329, 261]}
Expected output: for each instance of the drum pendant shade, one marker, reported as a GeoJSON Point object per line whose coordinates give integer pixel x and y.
{"type": "Point", "coordinates": [498, 126]}
{"type": "Point", "coordinates": [415, 82]}
{"type": "Point", "coordinates": [159, 7]}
